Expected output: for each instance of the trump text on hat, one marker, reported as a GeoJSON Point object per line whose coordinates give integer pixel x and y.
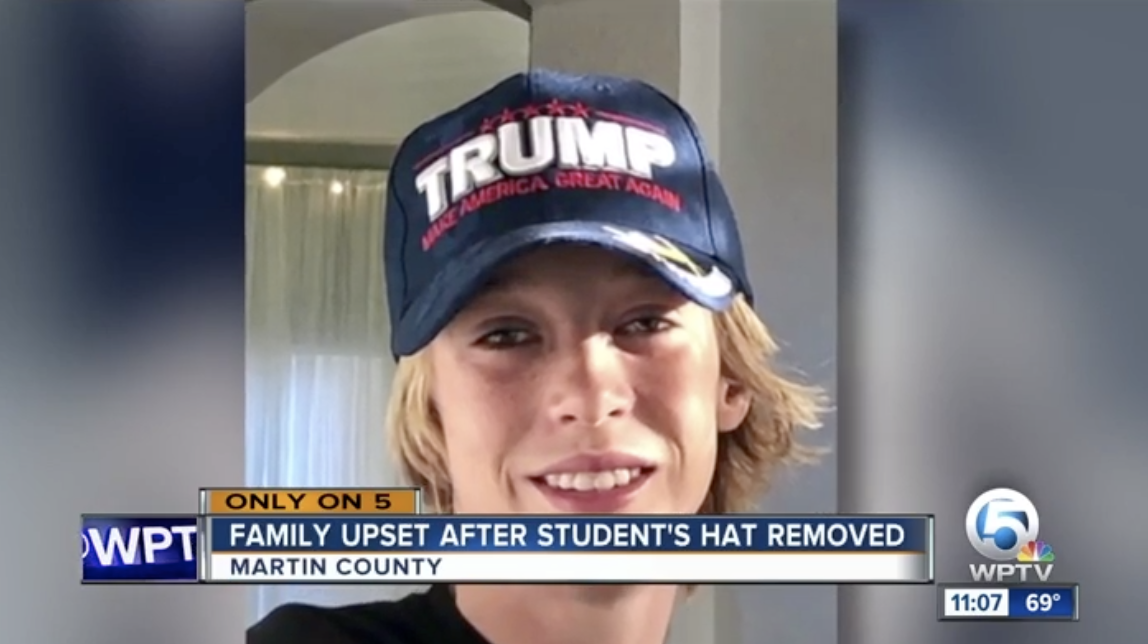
{"type": "Point", "coordinates": [520, 148]}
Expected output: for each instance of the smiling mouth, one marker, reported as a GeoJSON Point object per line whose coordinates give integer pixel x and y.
{"type": "Point", "coordinates": [593, 492]}
{"type": "Point", "coordinates": [600, 481]}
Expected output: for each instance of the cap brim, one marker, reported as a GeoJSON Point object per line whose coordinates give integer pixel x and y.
{"type": "Point", "coordinates": [691, 272]}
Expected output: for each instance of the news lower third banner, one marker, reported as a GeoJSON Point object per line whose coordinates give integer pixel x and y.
{"type": "Point", "coordinates": [339, 540]}
{"type": "Point", "coordinates": [559, 548]}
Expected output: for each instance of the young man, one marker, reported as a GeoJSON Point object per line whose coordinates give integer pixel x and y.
{"type": "Point", "coordinates": [572, 317]}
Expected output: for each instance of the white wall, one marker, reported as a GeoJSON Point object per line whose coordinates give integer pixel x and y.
{"type": "Point", "coordinates": [350, 92]}
{"type": "Point", "coordinates": [779, 162]}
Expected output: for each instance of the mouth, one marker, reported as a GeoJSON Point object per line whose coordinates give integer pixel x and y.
{"type": "Point", "coordinates": [600, 481]}
{"type": "Point", "coordinates": [597, 485]}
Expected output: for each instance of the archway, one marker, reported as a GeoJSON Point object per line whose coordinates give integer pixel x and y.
{"type": "Point", "coordinates": [380, 85]}
{"type": "Point", "coordinates": [282, 36]}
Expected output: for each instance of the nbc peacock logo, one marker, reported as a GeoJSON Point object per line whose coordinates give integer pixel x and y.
{"type": "Point", "coordinates": [1036, 551]}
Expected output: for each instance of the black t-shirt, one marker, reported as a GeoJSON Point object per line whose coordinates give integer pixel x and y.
{"type": "Point", "coordinates": [430, 617]}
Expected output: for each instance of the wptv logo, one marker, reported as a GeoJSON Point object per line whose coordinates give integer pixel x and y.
{"type": "Point", "coordinates": [1003, 525]}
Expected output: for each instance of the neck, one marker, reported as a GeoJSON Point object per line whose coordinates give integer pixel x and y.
{"type": "Point", "coordinates": [569, 614]}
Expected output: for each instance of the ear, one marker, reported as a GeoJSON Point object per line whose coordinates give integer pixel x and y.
{"type": "Point", "coordinates": [733, 405]}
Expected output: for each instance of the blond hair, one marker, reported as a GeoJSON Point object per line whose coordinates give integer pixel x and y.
{"type": "Point", "coordinates": [747, 457]}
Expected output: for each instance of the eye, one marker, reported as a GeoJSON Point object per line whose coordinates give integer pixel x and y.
{"type": "Point", "coordinates": [506, 338]}
{"type": "Point", "coordinates": [646, 325]}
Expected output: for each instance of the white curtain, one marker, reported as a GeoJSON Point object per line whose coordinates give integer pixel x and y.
{"type": "Point", "coordinates": [318, 363]}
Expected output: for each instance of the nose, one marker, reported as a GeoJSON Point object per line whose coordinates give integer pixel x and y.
{"type": "Point", "coordinates": [590, 385]}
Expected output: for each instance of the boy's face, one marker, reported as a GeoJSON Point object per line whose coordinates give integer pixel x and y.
{"type": "Point", "coordinates": [579, 383]}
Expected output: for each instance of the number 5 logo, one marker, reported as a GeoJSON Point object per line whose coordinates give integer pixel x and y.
{"type": "Point", "coordinates": [1000, 522]}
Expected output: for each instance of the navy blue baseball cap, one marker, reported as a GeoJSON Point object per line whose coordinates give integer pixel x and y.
{"type": "Point", "coordinates": [546, 157]}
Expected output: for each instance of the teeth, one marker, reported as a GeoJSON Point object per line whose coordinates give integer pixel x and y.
{"type": "Point", "coordinates": [623, 477]}
{"type": "Point", "coordinates": [586, 481]}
